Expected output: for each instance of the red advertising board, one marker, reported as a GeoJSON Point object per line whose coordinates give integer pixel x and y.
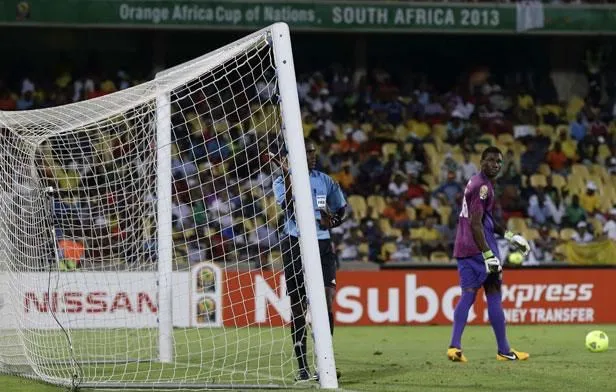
{"type": "Point", "coordinates": [402, 297]}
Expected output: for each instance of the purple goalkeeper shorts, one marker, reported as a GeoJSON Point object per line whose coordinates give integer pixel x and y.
{"type": "Point", "coordinates": [473, 275]}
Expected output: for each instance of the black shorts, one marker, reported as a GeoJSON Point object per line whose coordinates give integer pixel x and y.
{"type": "Point", "coordinates": [294, 274]}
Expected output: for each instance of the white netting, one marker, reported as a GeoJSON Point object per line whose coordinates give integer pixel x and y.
{"type": "Point", "coordinates": [79, 264]}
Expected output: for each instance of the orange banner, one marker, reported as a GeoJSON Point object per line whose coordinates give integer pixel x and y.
{"type": "Point", "coordinates": [405, 297]}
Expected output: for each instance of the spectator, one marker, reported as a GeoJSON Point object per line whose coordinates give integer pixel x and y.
{"type": "Point", "coordinates": [543, 247]}
{"type": "Point", "coordinates": [455, 128]}
{"type": "Point", "coordinates": [574, 213]}
{"type": "Point", "coordinates": [511, 170]}
{"type": "Point", "coordinates": [398, 187]}
{"type": "Point", "coordinates": [578, 128]}
{"type": "Point", "coordinates": [450, 188]}
{"type": "Point", "coordinates": [609, 229]}
{"type": "Point", "coordinates": [345, 178]}
{"type": "Point", "coordinates": [538, 209]}
{"type": "Point", "coordinates": [582, 234]}
{"type": "Point", "coordinates": [556, 208]}
{"type": "Point", "coordinates": [396, 212]}
{"type": "Point", "coordinates": [349, 248]}
{"type": "Point", "coordinates": [531, 159]}
{"type": "Point", "coordinates": [404, 248]}
{"type": "Point", "coordinates": [416, 192]}
{"type": "Point", "coordinates": [557, 159]}
{"type": "Point", "coordinates": [590, 201]}
{"type": "Point", "coordinates": [468, 168]}
{"type": "Point", "coordinates": [430, 238]}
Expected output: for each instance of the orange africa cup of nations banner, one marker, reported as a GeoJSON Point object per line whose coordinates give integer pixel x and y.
{"type": "Point", "coordinates": [429, 297]}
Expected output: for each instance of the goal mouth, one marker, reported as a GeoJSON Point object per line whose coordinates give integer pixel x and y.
{"type": "Point", "coordinates": [141, 240]}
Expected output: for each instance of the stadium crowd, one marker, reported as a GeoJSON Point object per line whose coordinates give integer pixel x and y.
{"type": "Point", "coordinates": [401, 150]}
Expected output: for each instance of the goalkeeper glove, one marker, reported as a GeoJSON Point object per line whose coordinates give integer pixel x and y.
{"type": "Point", "coordinates": [492, 263]}
{"type": "Point", "coordinates": [519, 241]}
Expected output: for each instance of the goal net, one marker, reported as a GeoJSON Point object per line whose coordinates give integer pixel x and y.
{"type": "Point", "coordinates": [140, 239]}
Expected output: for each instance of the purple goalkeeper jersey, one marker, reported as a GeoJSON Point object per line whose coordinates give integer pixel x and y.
{"type": "Point", "coordinates": [478, 197]}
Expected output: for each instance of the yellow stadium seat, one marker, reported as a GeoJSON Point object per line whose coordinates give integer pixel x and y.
{"type": "Point", "coordinates": [531, 234]}
{"type": "Point", "coordinates": [505, 138]}
{"type": "Point", "coordinates": [444, 212]}
{"type": "Point", "coordinates": [364, 248]}
{"type": "Point", "coordinates": [558, 181]}
{"type": "Point", "coordinates": [440, 131]}
{"type": "Point", "coordinates": [538, 180]}
{"type": "Point", "coordinates": [366, 127]}
{"type": "Point", "coordinates": [580, 170]}
{"type": "Point", "coordinates": [476, 159]}
{"type": "Point", "coordinates": [377, 204]}
{"type": "Point", "coordinates": [489, 138]}
{"type": "Point", "coordinates": [402, 133]}
{"type": "Point", "coordinates": [387, 249]}
{"type": "Point", "coordinates": [412, 214]}
{"type": "Point", "coordinates": [562, 128]}
{"type": "Point", "coordinates": [566, 234]}
{"type": "Point", "coordinates": [430, 180]}
{"type": "Point", "coordinates": [554, 234]}
{"type": "Point", "coordinates": [388, 149]}
{"type": "Point", "coordinates": [545, 169]}
{"type": "Point", "coordinates": [385, 225]}
{"type": "Point", "coordinates": [545, 130]}
{"type": "Point", "coordinates": [358, 206]}
{"type": "Point", "coordinates": [396, 233]}
{"type": "Point", "coordinates": [439, 257]}
{"type": "Point", "coordinates": [600, 171]}
{"type": "Point", "coordinates": [408, 147]}
{"type": "Point", "coordinates": [517, 224]}
{"type": "Point", "coordinates": [415, 234]}
{"type": "Point", "coordinates": [603, 152]}
{"type": "Point", "coordinates": [596, 225]}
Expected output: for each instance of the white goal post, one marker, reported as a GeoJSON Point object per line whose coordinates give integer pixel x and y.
{"type": "Point", "coordinates": [140, 243]}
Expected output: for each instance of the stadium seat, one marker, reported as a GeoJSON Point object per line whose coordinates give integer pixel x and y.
{"type": "Point", "coordinates": [546, 130]}
{"type": "Point", "coordinates": [387, 249]}
{"type": "Point", "coordinates": [580, 170]}
{"type": "Point", "coordinates": [364, 248]}
{"type": "Point", "coordinates": [444, 212]}
{"type": "Point", "coordinates": [377, 204]}
{"type": "Point", "coordinates": [358, 206]}
{"type": "Point", "coordinates": [566, 233]}
{"type": "Point", "coordinates": [562, 128]}
{"type": "Point", "coordinates": [537, 180]}
{"type": "Point", "coordinates": [395, 233]}
{"type": "Point", "coordinates": [545, 169]}
{"type": "Point", "coordinates": [558, 181]}
{"type": "Point", "coordinates": [388, 149]}
{"type": "Point", "coordinates": [597, 226]}
{"type": "Point", "coordinates": [439, 257]}
{"type": "Point", "coordinates": [440, 131]}
{"type": "Point", "coordinates": [488, 137]}
{"type": "Point", "coordinates": [603, 152]}
{"type": "Point", "coordinates": [554, 234]}
{"type": "Point", "coordinates": [408, 147]}
{"type": "Point", "coordinates": [517, 224]}
{"type": "Point", "coordinates": [412, 214]}
{"type": "Point", "coordinates": [531, 234]}
{"type": "Point", "coordinates": [505, 139]}
{"type": "Point", "coordinates": [385, 226]}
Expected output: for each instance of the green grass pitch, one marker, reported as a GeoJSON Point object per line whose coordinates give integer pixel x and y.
{"type": "Point", "coordinates": [413, 359]}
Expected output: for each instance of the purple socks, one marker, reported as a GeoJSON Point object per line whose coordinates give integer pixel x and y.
{"type": "Point", "coordinates": [495, 312]}
{"type": "Point", "coordinates": [497, 319]}
{"type": "Point", "coordinates": [460, 315]}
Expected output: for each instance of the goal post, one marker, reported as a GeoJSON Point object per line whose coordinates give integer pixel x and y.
{"type": "Point", "coordinates": [157, 263]}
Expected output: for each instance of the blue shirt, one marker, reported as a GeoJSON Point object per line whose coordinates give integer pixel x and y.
{"type": "Point", "coordinates": [324, 191]}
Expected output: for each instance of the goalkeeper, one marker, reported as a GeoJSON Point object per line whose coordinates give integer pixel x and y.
{"type": "Point", "coordinates": [330, 211]}
{"type": "Point", "coordinates": [478, 259]}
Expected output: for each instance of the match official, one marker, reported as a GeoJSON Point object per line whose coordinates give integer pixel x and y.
{"type": "Point", "coordinates": [330, 211]}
